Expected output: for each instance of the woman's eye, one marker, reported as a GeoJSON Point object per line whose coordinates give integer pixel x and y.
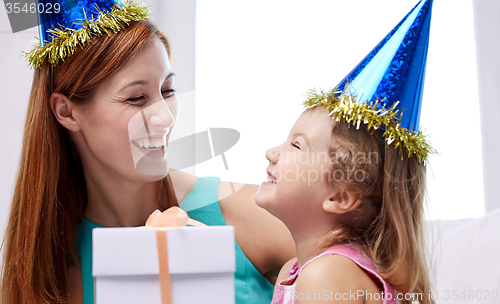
{"type": "Point", "coordinates": [136, 99]}
{"type": "Point", "coordinates": [296, 145]}
{"type": "Point", "coordinates": [167, 93]}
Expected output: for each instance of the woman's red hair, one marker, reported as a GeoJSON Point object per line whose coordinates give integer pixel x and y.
{"type": "Point", "coordinates": [50, 193]}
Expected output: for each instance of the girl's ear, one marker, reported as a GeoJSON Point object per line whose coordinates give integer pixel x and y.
{"type": "Point", "coordinates": [63, 110]}
{"type": "Point", "coordinates": [342, 202]}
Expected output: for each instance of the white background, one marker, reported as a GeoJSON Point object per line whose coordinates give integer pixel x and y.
{"type": "Point", "coordinates": [256, 59]}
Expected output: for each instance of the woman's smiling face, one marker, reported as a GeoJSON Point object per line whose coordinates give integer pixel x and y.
{"type": "Point", "coordinates": [125, 128]}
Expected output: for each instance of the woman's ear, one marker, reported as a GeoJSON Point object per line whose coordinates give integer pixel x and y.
{"type": "Point", "coordinates": [342, 202]}
{"type": "Point", "coordinates": [63, 110]}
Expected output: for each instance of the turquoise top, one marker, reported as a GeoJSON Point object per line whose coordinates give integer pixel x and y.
{"type": "Point", "coordinates": [202, 204]}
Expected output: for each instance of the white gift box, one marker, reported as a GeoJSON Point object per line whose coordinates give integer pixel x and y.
{"type": "Point", "coordinates": [201, 261]}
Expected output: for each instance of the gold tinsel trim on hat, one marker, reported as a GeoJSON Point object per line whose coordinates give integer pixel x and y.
{"type": "Point", "coordinates": [344, 107]}
{"type": "Point", "coordinates": [65, 41]}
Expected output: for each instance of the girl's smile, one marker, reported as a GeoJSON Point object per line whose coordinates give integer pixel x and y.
{"type": "Point", "coordinates": [296, 172]}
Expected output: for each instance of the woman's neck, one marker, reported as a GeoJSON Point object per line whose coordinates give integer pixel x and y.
{"type": "Point", "coordinates": [119, 203]}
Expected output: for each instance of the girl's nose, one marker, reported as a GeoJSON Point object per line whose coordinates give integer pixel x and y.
{"type": "Point", "coordinates": [272, 155]}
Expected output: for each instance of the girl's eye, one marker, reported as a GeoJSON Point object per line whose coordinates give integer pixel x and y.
{"type": "Point", "coordinates": [167, 93]}
{"type": "Point", "coordinates": [295, 145]}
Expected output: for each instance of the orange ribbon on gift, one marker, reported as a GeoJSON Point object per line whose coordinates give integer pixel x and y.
{"type": "Point", "coordinates": [172, 217]}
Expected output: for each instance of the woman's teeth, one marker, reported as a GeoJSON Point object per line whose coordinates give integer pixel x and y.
{"type": "Point", "coordinates": [271, 180]}
{"type": "Point", "coordinates": [152, 144]}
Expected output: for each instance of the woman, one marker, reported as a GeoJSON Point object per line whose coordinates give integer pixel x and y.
{"type": "Point", "coordinates": [77, 167]}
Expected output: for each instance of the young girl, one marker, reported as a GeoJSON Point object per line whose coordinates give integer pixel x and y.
{"type": "Point", "coordinates": [340, 220]}
{"type": "Point", "coordinates": [349, 183]}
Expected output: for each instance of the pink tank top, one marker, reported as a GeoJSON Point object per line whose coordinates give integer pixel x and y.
{"type": "Point", "coordinates": [285, 294]}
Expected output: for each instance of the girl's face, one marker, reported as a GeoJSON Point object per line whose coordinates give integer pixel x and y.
{"type": "Point", "coordinates": [298, 172]}
{"type": "Point", "coordinates": [125, 128]}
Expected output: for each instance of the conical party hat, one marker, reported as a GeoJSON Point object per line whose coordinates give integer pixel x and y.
{"type": "Point", "coordinates": [385, 89]}
{"type": "Point", "coordinates": [65, 26]}
{"type": "Point", "coordinates": [68, 14]}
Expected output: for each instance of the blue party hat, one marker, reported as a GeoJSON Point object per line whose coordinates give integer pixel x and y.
{"type": "Point", "coordinates": [68, 14]}
{"type": "Point", "coordinates": [385, 89]}
{"type": "Point", "coordinates": [71, 24]}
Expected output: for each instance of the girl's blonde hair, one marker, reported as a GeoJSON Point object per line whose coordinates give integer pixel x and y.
{"type": "Point", "coordinates": [50, 193]}
{"type": "Point", "coordinates": [388, 224]}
